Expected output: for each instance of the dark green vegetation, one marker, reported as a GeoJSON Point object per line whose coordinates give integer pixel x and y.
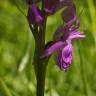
{"type": "Point", "coordinates": [17, 47]}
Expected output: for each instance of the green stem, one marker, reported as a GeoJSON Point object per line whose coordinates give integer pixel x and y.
{"type": "Point", "coordinates": [41, 73]}
{"type": "Point", "coordinates": [83, 74]}
{"type": "Point", "coordinates": [40, 64]}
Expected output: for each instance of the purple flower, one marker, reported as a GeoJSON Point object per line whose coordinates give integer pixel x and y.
{"type": "Point", "coordinates": [64, 48]}
{"type": "Point", "coordinates": [70, 18]}
{"type": "Point", "coordinates": [51, 6]}
{"type": "Point", "coordinates": [69, 13]}
{"type": "Point", "coordinates": [64, 36]}
{"type": "Point", "coordinates": [65, 57]}
{"type": "Point", "coordinates": [34, 15]}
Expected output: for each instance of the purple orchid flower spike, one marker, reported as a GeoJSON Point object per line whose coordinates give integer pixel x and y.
{"type": "Point", "coordinates": [66, 33]}
{"type": "Point", "coordinates": [64, 46]}
{"type": "Point", "coordinates": [63, 38]}
{"type": "Point", "coordinates": [34, 15]}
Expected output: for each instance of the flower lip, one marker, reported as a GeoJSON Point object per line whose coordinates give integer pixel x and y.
{"type": "Point", "coordinates": [64, 58]}
{"type": "Point", "coordinates": [67, 54]}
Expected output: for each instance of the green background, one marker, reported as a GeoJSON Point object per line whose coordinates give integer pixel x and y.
{"type": "Point", "coordinates": [17, 76]}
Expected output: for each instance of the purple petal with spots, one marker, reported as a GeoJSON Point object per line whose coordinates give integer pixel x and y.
{"type": "Point", "coordinates": [60, 62]}
{"type": "Point", "coordinates": [67, 54]}
{"type": "Point", "coordinates": [65, 57]}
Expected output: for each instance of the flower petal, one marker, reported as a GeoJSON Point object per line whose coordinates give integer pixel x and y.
{"type": "Point", "coordinates": [55, 47]}
{"type": "Point", "coordinates": [70, 18]}
{"type": "Point", "coordinates": [51, 6]}
{"type": "Point", "coordinates": [69, 13]}
{"type": "Point", "coordinates": [60, 62]}
{"type": "Point", "coordinates": [58, 33]}
{"type": "Point", "coordinates": [34, 15]}
{"type": "Point", "coordinates": [62, 4]}
{"type": "Point", "coordinates": [67, 54]}
{"type": "Point", "coordinates": [75, 35]}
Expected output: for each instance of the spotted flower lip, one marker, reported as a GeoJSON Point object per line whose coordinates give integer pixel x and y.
{"type": "Point", "coordinates": [64, 58]}
{"type": "Point", "coordinates": [67, 53]}
{"type": "Point", "coordinates": [34, 15]}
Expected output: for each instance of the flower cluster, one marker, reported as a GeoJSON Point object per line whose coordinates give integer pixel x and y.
{"type": "Point", "coordinates": [64, 35]}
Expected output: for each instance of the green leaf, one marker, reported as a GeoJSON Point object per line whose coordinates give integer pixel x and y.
{"type": "Point", "coordinates": [4, 91]}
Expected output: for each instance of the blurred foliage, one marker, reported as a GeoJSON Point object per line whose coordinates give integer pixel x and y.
{"type": "Point", "coordinates": [17, 47]}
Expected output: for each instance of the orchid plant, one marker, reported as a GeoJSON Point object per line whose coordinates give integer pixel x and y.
{"type": "Point", "coordinates": [63, 37]}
